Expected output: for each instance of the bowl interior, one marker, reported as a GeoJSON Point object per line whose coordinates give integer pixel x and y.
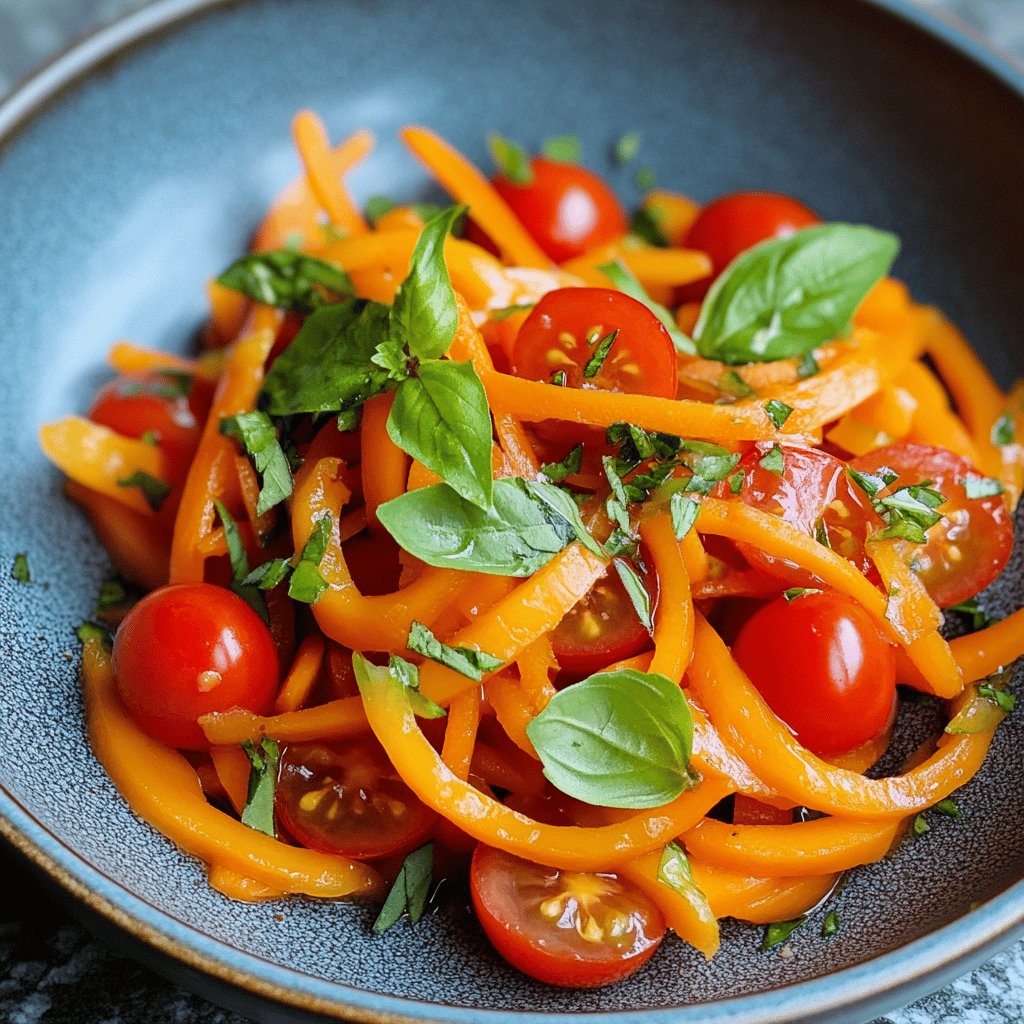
{"type": "Point", "coordinates": [125, 196]}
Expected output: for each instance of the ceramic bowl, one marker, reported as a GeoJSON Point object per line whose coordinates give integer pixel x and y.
{"type": "Point", "coordinates": [137, 165]}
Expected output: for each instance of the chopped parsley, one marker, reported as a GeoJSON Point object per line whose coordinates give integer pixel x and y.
{"type": "Point", "coordinates": [599, 355]}
{"type": "Point", "coordinates": [773, 460]}
{"type": "Point", "coordinates": [512, 160]}
{"type": "Point", "coordinates": [626, 147]}
{"type": "Point", "coordinates": [154, 490]}
{"type": "Point", "coordinates": [778, 412]}
{"type": "Point", "coordinates": [777, 933]}
{"type": "Point", "coordinates": [1003, 430]}
{"type": "Point", "coordinates": [20, 570]}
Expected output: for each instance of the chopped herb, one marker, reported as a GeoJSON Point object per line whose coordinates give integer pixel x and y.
{"type": "Point", "coordinates": [572, 462]}
{"type": "Point", "coordinates": [909, 512]}
{"type": "Point", "coordinates": [646, 225]}
{"type": "Point", "coordinates": [150, 437]}
{"type": "Point", "coordinates": [112, 594]}
{"type": "Point", "coordinates": [709, 465]}
{"type": "Point", "coordinates": [979, 617]}
{"type": "Point", "coordinates": [808, 366]}
{"type": "Point", "coordinates": [626, 147]}
{"type": "Point", "coordinates": [306, 584]}
{"type": "Point", "coordinates": [258, 812]}
{"type": "Point", "coordinates": [777, 933]}
{"type": "Point", "coordinates": [465, 660]}
{"type": "Point", "coordinates": [408, 896]}
{"type": "Point", "coordinates": [778, 412]}
{"type": "Point", "coordinates": [872, 483]}
{"type": "Point", "coordinates": [821, 534]}
{"type": "Point", "coordinates": [637, 592]}
{"type": "Point", "coordinates": [830, 925]}
{"type": "Point", "coordinates": [773, 460]}
{"type": "Point", "coordinates": [559, 378]}
{"type": "Point", "coordinates": [736, 481]}
{"type": "Point", "coordinates": [348, 420]}
{"type": "Point", "coordinates": [982, 487]}
{"type": "Point", "coordinates": [731, 383]}
{"type": "Point", "coordinates": [20, 570]}
{"type": "Point", "coordinates": [249, 593]}
{"type": "Point", "coordinates": [636, 445]}
{"type": "Point", "coordinates": [398, 671]}
{"type": "Point", "coordinates": [288, 280]}
{"type": "Point", "coordinates": [512, 160]}
{"type": "Point", "coordinates": [255, 432]}
{"type": "Point", "coordinates": [920, 826]}
{"type": "Point", "coordinates": [645, 178]}
{"type": "Point", "coordinates": [505, 312]}
{"type": "Point", "coordinates": [154, 490]}
{"type": "Point", "coordinates": [599, 355]}
{"type": "Point", "coordinates": [566, 149]}
{"type": "Point", "coordinates": [674, 870]}
{"type": "Point", "coordinates": [1003, 430]}
{"type": "Point", "coordinates": [684, 513]}
{"type": "Point", "coordinates": [794, 592]}
{"type": "Point", "coordinates": [949, 808]}
{"type": "Point", "coordinates": [93, 631]}
{"type": "Point", "coordinates": [378, 206]}
{"type": "Point", "coordinates": [1003, 700]}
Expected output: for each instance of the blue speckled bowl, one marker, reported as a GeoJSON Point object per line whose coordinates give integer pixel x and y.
{"type": "Point", "coordinates": [137, 165]}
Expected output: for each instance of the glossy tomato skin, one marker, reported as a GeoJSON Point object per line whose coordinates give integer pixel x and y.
{"type": "Point", "coordinates": [566, 209]}
{"type": "Point", "coordinates": [186, 650]}
{"type": "Point", "coordinates": [967, 549]}
{"type": "Point", "coordinates": [734, 223]}
{"type": "Point", "coordinates": [814, 491]}
{"type": "Point", "coordinates": [562, 330]}
{"type": "Point", "coordinates": [822, 667]}
{"type": "Point", "coordinates": [556, 926]}
{"type": "Point", "coordinates": [347, 799]}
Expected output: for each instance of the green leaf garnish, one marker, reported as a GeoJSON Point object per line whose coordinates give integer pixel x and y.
{"type": "Point", "coordinates": [566, 149]}
{"type": "Point", "coordinates": [674, 870]}
{"type": "Point", "coordinates": [982, 487]}
{"type": "Point", "coordinates": [645, 178]}
{"type": "Point", "coordinates": [773, 460]}
{"type": "Point", "coordinates": [154, 490]}
{"type": "Point", "coordinates": [599, 355]}
{"type": "Point", "coordinates": [377, 206]}
{"type": "Point", "coordinates": [571, 463]}
{"type": "Point", "coordinates": [684, 512]}
{"type": "Point", "coordinates": [511, 159]}
{"type": "Point", "coordinates": [626, 147]}
{"type": "Point", "coordinates": [288, 280]}
{"type": "Point", "coordinates": [408, 896]}
{"type": "Point", "coordinates": [94, 631]}
{"type": "Point", "coordinates": [778, 412]}
{"type": "Point", "coordinates": [1003, 430]}
{"type": "Point", "coordinates": [637, 592]}
{"type": "Point", "coordinates": [466, 661]}
{"type": "Point", "coordinates": [562, 509]}
{"type": "Point", "coordinates": [646, 225]}
{"type": "Point", "coordinates": [306, 584]}
{"type": "Point", "coordinates": [400, 671]}
{"type": "Point", "coordinates": [920, 825]}
{"type": "Point", "coordinates": [1003, 700]}
{"type": "Point", "coordinates": [872, 483]}
{"type": "Point", "coordinates": [258, 812]}
{"type": "Point", "coordinates": [808, 366]}
{"type": "Point", "coordinates": [979, 617]}
{"type": "Point", "coordinates": [559, 378]}
{"type": "Point", "coordinates": [736, 481]}
{"type": "Point", "coordinates": [497, 315]}
{"type": "Point", "coordinates": [731, 383]}
{"type": "Point", "coordinates": [625, 280]}
{"type": "Point", "coordinates": [113, 594]}
{"type": "Point", "coordinates": [777, 933]}
{"type": "Point", "coordinates": [786, 296]}
{"type": "Point", "coordinates": [949, 808]}
{"type": "Point", "coordinates": [617, 739]}
{"type": "Point", "coordinates": [257, 436]}
{"type": "Point", "coordinates": [249, 593]}
{"type": "Point", "coordinates": [830, 926]}
{"type": "Point", "coordinates": [20, 570]}
{"type": "Point", "coordinates": [909, 512]}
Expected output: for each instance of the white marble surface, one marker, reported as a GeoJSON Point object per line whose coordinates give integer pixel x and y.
{"type": "Point", "coordinates": [52, 972]}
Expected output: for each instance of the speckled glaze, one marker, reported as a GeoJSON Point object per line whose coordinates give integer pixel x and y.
{"type": "Point", "coordinates": [119, 200]}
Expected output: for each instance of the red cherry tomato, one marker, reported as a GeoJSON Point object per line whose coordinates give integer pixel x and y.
{"type": "Point", "coordinates": [347, 799]}
{"type": "Point", "coordinates": [139, 403]}
{"type": "Point", "coordinates": [186, 650]}
{"type": "Point", "coordinates": [967, 549]}
{"type": "Point", "coordinates": [822, 667]}
{"type": "Point", "coordinates": [564, 328]}
{"type": "Point", "coordinates": [814, 494]}
{"type": "Point", "coordinates": [567, 928]}
{"type": "Point", "coordinates": [565, 208]}
{"type": "Point", "coordinates": [733, 223]}
{"type": "Point", "coordinates": [603, 627]}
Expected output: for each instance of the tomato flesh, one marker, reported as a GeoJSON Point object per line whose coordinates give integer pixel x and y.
{"type": "Point", "coordinates": [187, 650]}
{"type": "Point", "coordinates": [567, 928]}
{"type": "Point", "coordinates": [566, 209]}
{"type": "Point", "coordinates": [822, 667]}
{"type": "Point", "coordinates": [347, 799]}
{"type": "Point", "coordinates": [968, 548]}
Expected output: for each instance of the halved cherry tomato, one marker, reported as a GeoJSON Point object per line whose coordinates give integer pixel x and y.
{"type": "Point", "coordinates": [565, 327]}
{"type": "Point", "coordinates": [604, 626]}
{"type": "Point", "coordinates": [347, 799]}
{"type": "Point", "coordinates": [734, 223]}
{"type": "Point", "coordinates": [565, 208]}
{"type": "Point", "coordinates": [967, 549]}
{"type": "Point", "coordinates": [186, 650]}
{"type": "Point", "coordinates": [568, 928]}
{"type": "Point", "coordinates": [822, 667]}
{"type": "Point", "coordinates": [814, 494]}
{"type": "Point", "coordinates": [173, 410]}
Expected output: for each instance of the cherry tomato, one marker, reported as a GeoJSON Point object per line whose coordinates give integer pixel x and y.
{"type": "Point", "coordinates": [347, 799]}
{"type": "Point", "coordinates": [604, 626]}
{"type": "Point", "coordinates": [967, 549]}
{"type": "Point", "coordinates": [814, 494]}
{"type": "Point", "coordinates": [734, 223]}
{"type": "Point", "coordinates": [186, 650]}
{"type": "Point", "coordinates": [822, 667]}
{"type": "Point", "coordinates": [565, 208]}
{"type": "Point", "coordinates": [568, 928]}
{"type": "Point", "coordinates": [136, 404]}
{"type": "Point", "coordinates": [565, 327]}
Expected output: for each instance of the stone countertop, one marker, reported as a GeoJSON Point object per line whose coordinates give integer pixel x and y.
{"type": "Point", "coordinates": [53, 972]}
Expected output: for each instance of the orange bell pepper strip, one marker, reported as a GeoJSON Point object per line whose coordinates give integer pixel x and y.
{"type": "Point", "coordinates": [988, 650]}
{"type": "Point", "coordinates": [759, 900]}
{"type": "Point", "coordinates": [301, 678]}
{"type": "Point", "coordinates": [384, 466]}
{"type": "Point", "coordinates": [335, 720]}
{"type": "Point", "coordinates": [240, 887]}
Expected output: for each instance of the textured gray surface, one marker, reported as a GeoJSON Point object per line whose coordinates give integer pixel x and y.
{"type": "Point", "coordinates": [51, 970]}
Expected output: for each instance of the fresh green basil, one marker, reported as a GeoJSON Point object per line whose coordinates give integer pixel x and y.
{"type": "Point", "coordinates": [440, 417]}
{"type": "Point", "coordinates": [617, 739]}
{"type": "Point", "coordinates": [566, 149]}
{"type": "Point", "coordinates": [830, 926]}
{"type": "Point", "coordinates": [89, 632]}
{"type": "Point", "coordinates": [909, 512]}
{"type": "Point", "coordinates": [625, 280]}
{"type": "Point", "coordinates": [645, 178]}
{"type": "Point", "coordinates": [646, 225]}
{"type": "Point", "coordinates": [949, 808]}
{"type": "Point", "coordinates": [972, 608]}
{"type": "Point", "coordinates": [287, 279]}
{"type": "Point", "coordinates": [731, 383]}
{"type": "Point", "coordinates": [239, 560]}
{"type": "Point", "coordinates": [154, 490]}
{"type": "Point", "coordinates": [569, 464]}
{"type": "Point", "coordinates": [562, 510]}
{"type": "Point", "coordinates": [408, 896]}
{"type": "Point", "coordinates": [466, 661]}
{"type": "Point", "coordinates": [982, 487]}
{"type": "Point", "coordinates": [258, 812]}
{"type": "Point", "coordinates": [20, 570]}
{"type": "Point", "coordinates": [674, 870]}
{"type": "Point", "coordinates": [401, 672]}
{"type": "Point", "coordinates": [1003, 430]}
{"type": "Point", "coordinates": [735, 481]}
{"type": "Point", "coordinates": [786, 296]}
{"type": "Point", "coordinates": [684, 512]}
{"type": "Point", "coordinates": [512, 160]}
{"type": "Point", "coordinates": [637, 592]}
{"type": "Point", "coordinates": [872, 484]}
{"type": "Point", "coordinates": [777, 933]}
{"type": "Point", "coordinates": [306, 584]}
{"type": "Point", "coordinates": [497, 315]}
{"type": "Point", "coordinates": [778, 412]}
{"type": "Point", "coordinates": [593, 365]}
{"type": "Point", "coordinates": [256, 433]}
{"type": "Point", "coordinates": [113, 594]}
{"type": "Point", "coordinates": [808, 366]}
{"type": "Point", "coordinates": [626, 147]}
{"type": "Point", "coordinates": [773, 460]}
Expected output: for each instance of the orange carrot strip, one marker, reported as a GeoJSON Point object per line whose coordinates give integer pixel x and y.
{"type": "Point", "coordinates": [301, 678]}
{"type": "Point", "coordinates": [232, 768]}
{"type": "Point", "coordinates": [335, 720]}
{"type": "Point", "coordinates": [460, 732]}
{"type": "Point", "coordinates": [384, 465]}
{"type": "Point", "coordinates": [650, 265]}
{"type": "Point", "coordinates": [673, 623]}
{"type": "Point", "coordinates": [162, 788]}
{"type": "Point", "coordinates": [988, 650]}
{"type": "Point", "coordinates": [674, 213]}
{"type": "Point", "coordinates": [466, 184]}
{"type": "Point", "coordinates": [127, 357]}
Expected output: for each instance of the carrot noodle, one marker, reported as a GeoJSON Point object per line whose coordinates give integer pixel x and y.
{"type": "Point", "coordinates": [903, 374]}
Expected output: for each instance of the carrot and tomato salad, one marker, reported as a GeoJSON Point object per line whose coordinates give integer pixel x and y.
{"type": "Point", "coordinates": [581, 552]}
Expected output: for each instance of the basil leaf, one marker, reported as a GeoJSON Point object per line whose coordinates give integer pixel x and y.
{"type": "Point", "coordinates": [1003, 700]}
{"type": "Point", "coordinates": [512, 160]}
{"type": "Point", "coordinates": [497, 315]}
{"type": "Point", "coordinates": [637, 592]}
{"type": "Point", "coordinates": [982, 487]}
{"type": "Point", "coordinates": [424, 315]}
{"type": "Point", "coordinates": [773, 460]}
{"type": "Point", "coordinates": [684, 513]}
{"type": "Point", "coordinates": [258, 812]}
{"type": "Point", "coordinates": [731, 383]}
{"type": "Point", "coordinates": [559, 378]}
{"type": "Point", "coordinates": [626, 147]}
{"type": "Point", "coordinates": [909, 512]}
{"type": "Point", "coordinates": [1003, 430]}
{"type": "Point", "coordinates": [736, 481]}
{"type": "Point", "coordinates": [786, 296]}
{"type": "Point", "coordinates": [920, 825]}
{"type": "Point", "coordinates": [113, 594]}
{"type": "Point", "coordinates": [949, 808]}
{"type": "Point", "coordinates": [515, 537]}
{"type": "Point", "coordinates": [154, 490]}
{"type": "Point", "coordinates": [872, 483]}
{"type": "Point", "coordinates": [269, 574]}
{"type": "Point", "coordinates": [566, 149]}
{"type": "Point", "coordinates": [328, 366]}
{"type": "Point", "coordinates": [616, 739]}
{"type": "Point", "coordinates": [20, 570]}
{"type": "Point", "coordinates": [466, 661]}
{"type": "Point", "coordinates": [93, 631]}
{"type": "Point", "coordinates": [830, 925]}
{"type": "Point", "coordinates": [440, 417]}
{"type": "Point", "coordinates": [646, 225]}
{"type": "Point", "coordinates": [408, 896]}
{"type": "Point", "coordinates": [674, 871]}
{"type": "Point", "coordinates": [808, 366]}
{"type": "Point", "coordinates": [255, 432]}
{"type": "Point", "coordinates": [287, 279]}
{"type": "Point", "coordinates": [979, 617]}
{"type": "Point", "coordinates": [645, 178]}
{"type": "Point", "coordinates": [593, 365]}
{"type": "Point", "coordinates": [240, 584]}
{"type": "Point", "coordinates": [562, 510]}
{"type": "Point", "coordinates": [401, 671]}
{"type": "Point", "coordinates": [571, 463]}
{"type": "Point", "coordinates": [377, 206]}
{"type": "Point", "coordinates": [778, 412]}
{"type": "Point", "coordinates": [623, 278]}
{"type": "Point", "coordinates": [306, 584]}
{"type": "Point", "coordinates": [777, 933]}
{"type": "Point", "coordinates": [794, 592]}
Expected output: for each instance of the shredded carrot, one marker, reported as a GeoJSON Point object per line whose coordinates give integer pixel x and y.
{"type": "Point", "coordinates": [460, 732]}
{"type": "Point", "coordinates": [336, 720]}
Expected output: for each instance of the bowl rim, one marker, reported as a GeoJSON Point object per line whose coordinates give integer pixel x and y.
{"type": "Point", "coordinates": [866, 988]}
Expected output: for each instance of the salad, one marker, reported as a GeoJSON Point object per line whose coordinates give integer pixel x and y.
{"type": "Point", "coordinates": [587, 555]}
